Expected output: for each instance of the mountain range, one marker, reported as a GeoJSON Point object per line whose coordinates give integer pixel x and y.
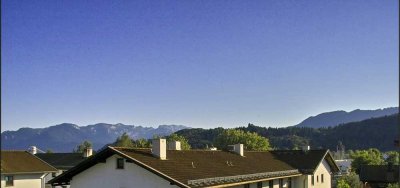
{"type": "Point", "coordinates": [65, 137]}
{"type": "Point", "coordinates": [329, 119]}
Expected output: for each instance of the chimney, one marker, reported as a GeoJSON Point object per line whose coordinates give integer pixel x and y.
{"type": "Point", "coordinates": [238, 149]}
{"type": "Point", "coordinates": [33, 150]}
{"type": "Point", "coordinates": [306, 148]}
{"type": "Point", "coordinates": [174, 145]}
{"type": "Point", "coordinates": [87, 152]}
{"type": "Point", "coordinates": [160, 148]}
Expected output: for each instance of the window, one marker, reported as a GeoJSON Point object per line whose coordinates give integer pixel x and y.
{"type": "Point", "coordinates": [9, 180]}
{"type": "Point", "coordinates": [280, 183]}
{"type": "Point", "coordinates": [312, 180]}
{"type": "Point", "coordinates": [289, 183]}
{"type": "Point", "coordinates": [259, 184]}
{"type": "Point", "coordinates": [322, 178]}
{"type": "Point", "coordinates": [120, 163]}
{"type": "Point", "coordinates": [247, 186]}
{"type": "Point", "coordinates": [271, 183]}
{"type": "Point", "coordinates": [317, 179]}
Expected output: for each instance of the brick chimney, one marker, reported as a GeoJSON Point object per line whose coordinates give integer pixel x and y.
{"type": "Point", "coordinates": [159, 148]}
{"type": "Point", "coordinates": [87, 152]}
{"type": "Point", "coordinates": [174, 145]}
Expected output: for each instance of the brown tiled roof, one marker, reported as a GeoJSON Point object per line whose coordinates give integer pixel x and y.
{"type": "Point", "coordinates": [379, 173]}
{"type": "Point", "coordinates": [210, 164]}
{"type": "Point", "coordinates": [306, 161]}
{"type": "Point", "coordinates": [23, 162]}
{"type": "Point", "coordinates": [63, 161]}
{"type": "Point", "coordinates": [199, 168]}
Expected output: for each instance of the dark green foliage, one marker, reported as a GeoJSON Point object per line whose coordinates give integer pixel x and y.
{"type": "Point", "coordinates": [184, 143]}
{"type": "Point", "coordinates": [81, 147]}
{"type": "Point", "coordinates": [372, 133]}
{"type": "Point", "coordinates": [251, 141]}
{"type": "Point", "coordinates": [124, 141]}
{"type": "Point", "coordinates": [371, 156]}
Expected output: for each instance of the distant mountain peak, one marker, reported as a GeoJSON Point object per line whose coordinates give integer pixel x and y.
{"type": "Point", "coordinates": [66, 136]}
{"type": "Point", "coordinates": [334, 118]}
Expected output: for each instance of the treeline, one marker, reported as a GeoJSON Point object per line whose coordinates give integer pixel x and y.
{"type": "Point", "coordinates": [372, 133]}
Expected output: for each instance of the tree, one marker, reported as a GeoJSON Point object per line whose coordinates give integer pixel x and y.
{"type": "Point", "coordinates": [184, 143]}
{"type": "Point", "coordinates": [371, 156]}
{"type": "Point", "coordinates": [124, 141]}
{"type": "Point", "coordinates": [392, 157]}
{"type": "Point", "coordinates": [342, 184]}
{"type": "Point", "coordinates": [142, 143]}
{"type": "Point", "coordinates": [49, 151]}
{"type": "Point", "coordinates": [351, 179]}
{"type": "Point", "coordinates": [81, 147]}
{"type": "Point", "coordinates": [251, 141]}
{"type": "Point", "coordinates": [394, 185]}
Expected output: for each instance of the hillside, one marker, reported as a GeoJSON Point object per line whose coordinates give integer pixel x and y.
{"type": "Point", "coordinates": [335, 118]}
{"type": "Point", "coordinates": [376, 132]}
{"type": "Point", "coordinates": [64, 137]}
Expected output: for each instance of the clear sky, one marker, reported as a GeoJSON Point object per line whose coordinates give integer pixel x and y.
{"type": "Point", "coordinates": [196, 63]}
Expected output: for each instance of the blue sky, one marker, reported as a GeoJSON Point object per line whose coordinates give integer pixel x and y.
{"type": "Point", "coordinates": [196, 63]}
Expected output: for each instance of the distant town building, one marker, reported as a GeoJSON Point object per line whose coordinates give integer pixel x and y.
{"type": "Point", "coordinates": [158, 167]}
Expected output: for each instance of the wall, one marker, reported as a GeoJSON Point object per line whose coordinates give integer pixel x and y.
{"type": "Point", "coordinates": [105, 175]}
{"type": "Point", "coordinates": [323, 168]}
{"type": "Point", "coordinates": [25, 181]}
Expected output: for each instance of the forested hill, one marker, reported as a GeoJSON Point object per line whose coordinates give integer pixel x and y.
{"type": "Point", "coordinates": [371, 133]}
{"type": "Point", "coordinates": [335, 118]}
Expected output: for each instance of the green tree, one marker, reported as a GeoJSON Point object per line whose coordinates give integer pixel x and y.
{"type": "Point", "coordinates": [124, 141]}
{"type": "Point", "coordinates": [142, 143]}
{"type": "Point", "coordinates": [394, 185]}
{"type": "Point", "coordinates": [49, 151]}
{"type": "Point", "coordinates": [184, 143]}
{"type": "Point", "coordinates": [81, 147]}
{"type": "Point", "coordinates": [351, 179]}
{"type": "Point", "coordinates": [342, 184]}
{"type": "Point", "coordinates": [251, 141]}
{"type": "Point", "coordinates": [371, 156]}
{"type": "Point", "coordinates": [392, 157]}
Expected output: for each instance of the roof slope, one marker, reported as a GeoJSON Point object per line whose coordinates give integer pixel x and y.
{"type": "Point", "coordinates": [208, 164]}
{"type": "Point", "coordinates": [63, 161]}
{"type": "Point", "coordinates": [306, 161]}
{"type": "Point", "coordinates": [199, 168]}
{"type": "Point", "coordinates": [379, 173]}
{"type": "Point", "coordinates": [23, 162]}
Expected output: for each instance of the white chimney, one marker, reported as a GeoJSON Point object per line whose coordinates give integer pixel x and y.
{"type": "Point", "coordinates": [238, 149]}
{"type": "Point", "coordinates": [160, 148]}
{"type": "Point", "coordinates": [174, 145]}
{"type": "Point", "coordinates": [306, 148]}
{"type": "Point", "coordinates": [33, 150]}
{"type": "Point", "coordinates": [87, 152]}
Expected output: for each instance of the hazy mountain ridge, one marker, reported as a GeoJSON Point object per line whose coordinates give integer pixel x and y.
{"type": "Point", "coordinates": [334, 118]}
{"type": "Point", "coordinates": [64, 137]}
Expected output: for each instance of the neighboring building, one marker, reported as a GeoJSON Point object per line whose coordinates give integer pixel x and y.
{"type": "Point", "coordinates": [21, 169]}
{"type": "Point", "coordinates": [62, 162]}
{"type": "Point", "coordinates": [375, 176]}
{"type": "Point", "coordinates": [344, 166]}
{"type": "Point", "coordinates": [159, 167]}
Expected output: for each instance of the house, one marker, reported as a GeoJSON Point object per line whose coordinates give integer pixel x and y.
{"type": "Point", "coordinates": [21, 169]}
{"type": "Point", "coordinates": [61, 161]}
{"type": "Point", "coordinates": [158, 167]}
{"type": "Point", "coordinates": [344, 166]}
{"type": "Point", "coordinates": [375, 176]}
